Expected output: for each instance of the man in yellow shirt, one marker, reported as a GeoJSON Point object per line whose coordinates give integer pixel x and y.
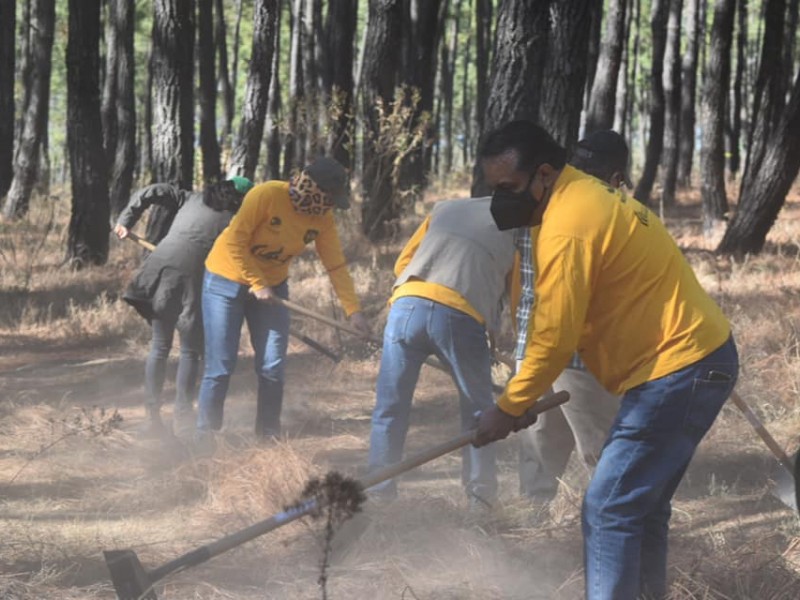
{"type": "Point", "coordinates": [450, 282]}
{"type": "Point", "coordinates": [612, 284]}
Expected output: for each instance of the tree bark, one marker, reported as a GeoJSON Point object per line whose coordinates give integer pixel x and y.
{"type": "Point", "coordinates": [449, 53]}
{"type": "Point", "coordinates": [621, 105]}
{"type": "Point", "coordinates": [672, 96]}
{"type": "Point", "coordinates": [790, 40]}
{"type": "Point", "coordinates": [123, 155]}
{"type": "Point", "coordinates": [603, 91]}
{"type": "Point", "coordinates": [689, 94]}
{"type": "Point", "coordinates": [294, 156]}
{"type": "Point", "coordinates": [108, 104]}
{"type": "Point", "coordinates": [594, 46]}
{"type": "Point", "coordinates": [341, 32]}
{"type": "Point", "coordinates": [659, 14]}
{"type": "Point", "coordinates": [759, 207]}
{"type": "Point", "coordinates": [425, 29]}
{"type": "Point", "coordinates": [380, 74]}
{"type": "Point", "coordinates": [770, 90]}
{"type": "Point", "coordinates": [34, 124]}
{"type": "Point", "coordinates": [87, 242]}
{"type": "Point", "coordinates": [483, 37]}
{"type": "Point", "coordinates": [516, 71]}
{"type": "Point", "coordinates": [147, 148]}
{"type": "Point", "coordinates": [565, 69]}
{"type": "Point", "coordinates": [206, 50]}
{"type": "Point", "coordinates": [254, 111]}
{"type": "Point", "coordinates": [712, 155]}
{"type": "Point", "coordinates": [310, 107]}
{"type": "Point", "coordinates": [273, 165]}
{"type": "Point", "coordinates": [634, 64]}
{"type": "Point", "coordinates": [173, 103]}
{"type": "Point", "coordinates": [228, 95]}
{"type": "Point", "coordinates": [735, 130]}
{"type": "Point", "coordinates": [8, 20]}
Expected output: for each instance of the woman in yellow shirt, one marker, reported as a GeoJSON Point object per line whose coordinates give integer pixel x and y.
{"type": "Point", "coordinates": [249, 266]}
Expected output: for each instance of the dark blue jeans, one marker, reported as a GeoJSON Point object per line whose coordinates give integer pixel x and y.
{"type": "Point", "coordinates": [226, 304]}
{"type": "Point", "coordinates": [163, 330]}
{"type": "Point", "coordinates": [417, 328]}
{"type": "Point", "coordinates": [627, 507]}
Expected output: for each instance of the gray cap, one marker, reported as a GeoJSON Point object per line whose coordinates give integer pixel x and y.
{"type": "Point", "coordinates": [331, 177]}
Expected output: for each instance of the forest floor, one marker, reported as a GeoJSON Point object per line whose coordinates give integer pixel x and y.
{"type": "Point", "coordinates": [75, 482]}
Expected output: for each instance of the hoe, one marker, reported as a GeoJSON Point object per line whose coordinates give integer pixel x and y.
{"type": "Point", "coordinates": [133, 582]}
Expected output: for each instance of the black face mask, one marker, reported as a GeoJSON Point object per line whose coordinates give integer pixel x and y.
{"type": "Point", "coordinates": [513, 209]}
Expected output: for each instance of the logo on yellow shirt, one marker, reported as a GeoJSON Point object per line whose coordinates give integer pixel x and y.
{"type": "Point", "coordinates": [261, 252]}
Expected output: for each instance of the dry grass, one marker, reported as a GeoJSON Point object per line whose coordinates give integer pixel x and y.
{"type": "Point", "coordinates": [69, 344]}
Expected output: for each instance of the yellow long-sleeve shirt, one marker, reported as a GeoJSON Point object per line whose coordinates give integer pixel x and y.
{"type": "Point", "coordinates": [611, 283]}
{"type": "Point", "coordinates": [267, 233]}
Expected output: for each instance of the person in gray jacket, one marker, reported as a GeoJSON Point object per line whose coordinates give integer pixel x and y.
{"type": "Point", "coordinates": [583, 422]}
{"type": "Point", "coordinates": [451, 277]}
{"type": "Point", "coordinates": [166, 289]}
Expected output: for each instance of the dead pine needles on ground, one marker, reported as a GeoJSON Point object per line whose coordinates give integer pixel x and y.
{"type": "Point", "coordinates": [68, 344]}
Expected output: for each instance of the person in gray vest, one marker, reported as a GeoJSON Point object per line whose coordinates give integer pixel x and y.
{"type": "Point", "coordinates": [584, 421]}
{"type": "Point", "coordinates": [166, 289]}
{"type": "Point", "coordinates": [451, 277]}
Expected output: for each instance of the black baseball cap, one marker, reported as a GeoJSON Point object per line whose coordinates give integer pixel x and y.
{"type": "Point", "coordinates": [331, 177]}
{"type": "Point", "coordinates": [603, 153]}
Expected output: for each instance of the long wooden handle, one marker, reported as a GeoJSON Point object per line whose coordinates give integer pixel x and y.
{"type": "Point", "coordinates": [238, 538]}
{"type": "Point", "coordinates": [141, 241]}
{"type": "Point", "coordinates": [763, 433]}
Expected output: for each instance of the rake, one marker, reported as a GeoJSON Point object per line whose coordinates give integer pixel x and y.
{"type": "Point", "coordinates": [133, 582]}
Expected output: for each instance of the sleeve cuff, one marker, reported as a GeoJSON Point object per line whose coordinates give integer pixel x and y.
{"type": "Point", "coordinates": [515, 409]}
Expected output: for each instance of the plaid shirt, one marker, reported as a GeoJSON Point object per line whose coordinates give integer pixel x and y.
{"type": "Point", "coordinates": [522, 241]}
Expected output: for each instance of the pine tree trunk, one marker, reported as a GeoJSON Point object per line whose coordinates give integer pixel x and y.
{"type": "Point", "coordinates": [759, 207]}
{"type": "Point", "coordinates": [237, 30]}
{"type": "Point", "coordinates": [206, 50]}
{"type": "Point", "coordinates": [672, 96]}
{"type": "Point", "coordinates": [108, 104]}
{"type": "Point", "coordinates": [483, 37]}
{"type": "Point", "coordinates": [516, 71]}
{"type": "Point", "coordinates": [712, 155]}
{"type": "Point", "coordinates": [254, 110]}
{"type": "Point", "coordinates": [770, 90]}
{"type": "Point", "coordinates": [273, 165]}
{"type": "Point", "coordinates": [341, 32]}
{"type": "Point", "coordinates": [790, 40]}
{"type": "Point", "coordinates": [425, 25]}
{"type": "Point", "coordinates": [35, 118]}
{"type": "Point", "coordinates": [689, 93]}
{"type": "Point", "coordinates": [228, 96]}
{"type": "Point", "coordinates": [466, 104]}
{"type": "Point", "coordinates": [173, 103]}
{"type": "Point", "coordinates": [87, 242]}
{"type": "Point", "coordinates": [123, 155]}
{"type": "Point", "coordinates": [310, 107]}
{"type": "Point", "coordinates": [594, 48]}
{"type": "Point", "coordinates": [633, 69]}
{"type": "Point", "coordinates": [294, 143]}
{"type": "Point", "coordinates": [564, 71]}
{"type": "Point", "coordinates": [147, 148]}
{"type": "Point", "coordinates": [7, 106]}
{"type": "Point", "coordinates": [603, 91]}
{"type": "Point", "coordinates": [380, 73]}
{"type": "Point", "coordinates": [448, 76]}
{"type": "Point", "coordinates": [659, 14]}
{"type": "Point", "coordinates": [735, 131]}
{"type": "Point", "coordinates": [621, 106]}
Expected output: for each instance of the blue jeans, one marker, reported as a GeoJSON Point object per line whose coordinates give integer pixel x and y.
{"type": "Point", "coordinates": [415, 329]}
{"type": "Point", "coordinates": [226, 304]}
{"type": "Point", "coordinates": [626, 509]}
{"type": "Point", "coordinates": [163, 331]}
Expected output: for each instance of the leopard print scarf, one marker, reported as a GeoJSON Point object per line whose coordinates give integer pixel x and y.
{"type": "Point", "coordinates": [306, 196]}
